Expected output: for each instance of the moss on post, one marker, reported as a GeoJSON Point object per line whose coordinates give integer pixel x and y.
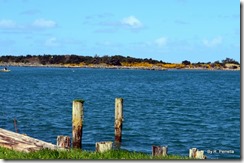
{"type": "Point", "coordinates": [79, 100]}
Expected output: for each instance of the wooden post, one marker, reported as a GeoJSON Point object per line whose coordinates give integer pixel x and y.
{"type": "Point", "coordinates": [103, 146]}
{"type": "Point", "coordinates": [63, 142]}
{"type": "Point", "coordinates": [200, 154]}
{"type": "Point", "coordinates": [195, 153]}
{"type": "Point", "coordinates": [118, 119]}
{"type": "Point", "coordinates": [165, 150]}
{"type": "Point", "coordinates": [15, 125]}
{"type": "Point", "coordinates": [192, 152]}
{"type": "Point", "coordinates": [77, 118]}
{"type": "Point", "coordinates": [159, 150]}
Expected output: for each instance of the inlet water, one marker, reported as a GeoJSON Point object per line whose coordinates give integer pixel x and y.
{"type": "Point", "coordinates": [181, 109]}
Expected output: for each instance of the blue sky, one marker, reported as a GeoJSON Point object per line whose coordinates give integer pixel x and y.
{"type": "Point", "coordinates": [167, 30]}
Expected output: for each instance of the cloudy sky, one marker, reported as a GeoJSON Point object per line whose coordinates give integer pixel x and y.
{"type": "Point", "coordinates": [167, 30]}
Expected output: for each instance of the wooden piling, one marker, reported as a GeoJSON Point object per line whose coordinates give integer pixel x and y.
{"type": "Point", "coordinates": [200, 155]}
{"type": "Point", "coordinates": [63, 142]}
{"type": "Point", "coordinates": [103, 146]}
{"type": "Point", "coordinates": [118, 119]}
{"type": "Point", "coordinates": [77, 119]}
{"type": "Point", "coordinates": [15, 125]}
{"type": "Point", "coordinates": [159, 150]}
{"type": "Point", "coordinates": [192, 152]}
{"type": "Point", "coordinates": [195, 153]}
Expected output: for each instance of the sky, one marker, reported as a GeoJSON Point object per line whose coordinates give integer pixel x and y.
{"type": "Point", "coordinates": [167, 30]}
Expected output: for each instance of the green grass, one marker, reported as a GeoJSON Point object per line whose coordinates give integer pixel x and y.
{"type": "Point", "coordinates": [75, 154]}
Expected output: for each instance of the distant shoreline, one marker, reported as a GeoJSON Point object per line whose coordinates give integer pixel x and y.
{"type": "Point", "coordinates": [111, 67]}
{"type": "Point", "coordinates": [113, 62]}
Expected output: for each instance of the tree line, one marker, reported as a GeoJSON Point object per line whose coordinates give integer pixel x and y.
{"type": "Point", "coordinates": [115, 60]}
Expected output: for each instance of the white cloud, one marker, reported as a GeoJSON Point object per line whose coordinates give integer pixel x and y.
{"type": "Point", "coordinates": [12, 26]}
{"type": "Point", "coordinates": [161, 42]}
{"type": "Point", "coordinates": [4, 23]}
{"type": "Point", "coordinates": [43, 23]}
{"type": "Point", "coordinates": [51, 42]}
{"type": "Point", "coordinates": [214, 42]}
{"type": "Point", "coordinates": [132, 22]}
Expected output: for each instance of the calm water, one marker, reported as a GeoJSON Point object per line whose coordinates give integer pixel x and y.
{"type": "Point", "coordinates": [181, 109]}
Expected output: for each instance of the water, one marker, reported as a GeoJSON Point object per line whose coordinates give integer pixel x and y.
{"type": "Point", "coordinates": [181, 109]}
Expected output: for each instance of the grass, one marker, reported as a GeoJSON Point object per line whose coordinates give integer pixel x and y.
{"type": "Point", "coordinates": [75, 154]}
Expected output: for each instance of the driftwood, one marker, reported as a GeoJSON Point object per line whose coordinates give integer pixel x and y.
{"type": "Point", "coordinates": [23, 143]}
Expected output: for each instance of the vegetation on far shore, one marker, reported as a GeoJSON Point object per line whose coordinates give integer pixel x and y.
{"type": "Point", "coordinates": [75, 154]}
{"type": "Point", "coordinates": [111, 61]}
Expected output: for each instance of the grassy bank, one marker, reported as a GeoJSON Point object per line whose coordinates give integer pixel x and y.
{"type": "Point", "coordinates": [8, 154]}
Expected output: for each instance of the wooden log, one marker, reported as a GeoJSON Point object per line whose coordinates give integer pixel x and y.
{"type": "Point", "coordinates": [63, 142]}
{"type": "Point", "coordinates": [23, 143]}
{"type": "Point", "coordinates": [159, 150]}
{"type": "Point", "coordinates": [118, 119]}
{"type": "Point", "coordinates": [77, 125]}
{"type": "Point", "coordinates": [103, 146]}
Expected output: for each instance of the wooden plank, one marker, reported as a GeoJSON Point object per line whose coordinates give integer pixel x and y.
{"type": "Point", "coordinates": [23, 143]}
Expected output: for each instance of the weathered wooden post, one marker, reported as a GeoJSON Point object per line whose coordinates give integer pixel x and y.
{"type": "Point", "coordinates": [192, 152]}
{"type": "Point", "coordinates": [15, 125]}
{"type": "Point", "coordinates": [200, 154]}
{"type": "Point", "coordinates": [159, 150]}
{"type": "Point", "coordinates": [118, 119]}
{"type": "Point", "coordinates": [103, 146]}
{"type": "Point", "coordinates": [195, 153]}
{"type": "Point", "coordinates": [77, 119]}
{"type": "Point", "coordinates": [63, 142]}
